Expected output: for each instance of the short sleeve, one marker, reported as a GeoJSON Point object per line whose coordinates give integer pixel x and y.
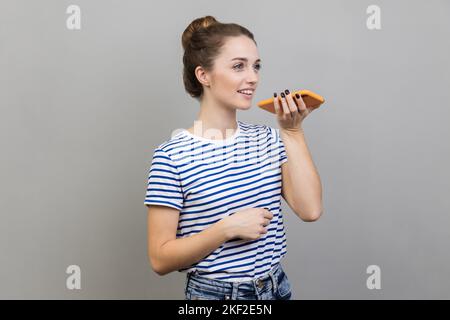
{"type": "Point", "coordinates": [164, 184]}
{"type": "Point", "coordinates": [279, 146]}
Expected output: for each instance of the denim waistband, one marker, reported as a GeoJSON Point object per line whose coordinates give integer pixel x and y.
{"type": "Point", "coordinates": [265, 282]}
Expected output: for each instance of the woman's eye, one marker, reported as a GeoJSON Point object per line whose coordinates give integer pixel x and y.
{"type": "Point", "coordinates": [257, 66]}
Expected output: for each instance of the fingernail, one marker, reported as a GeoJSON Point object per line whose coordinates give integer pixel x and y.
{"type": "Point", "coordinates": [282, 95]}
{"type": "Point", "coordinates": [287, 91]}
{"type": "Point", "coordinates": [274, 94]}
{"type": "Point", "coordinates": [297, 95]}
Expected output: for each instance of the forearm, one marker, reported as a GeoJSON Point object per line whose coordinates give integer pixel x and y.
{"type": "Point", "coordinates": [302, 171]}
{"type": "Point", "coordinates": [183, 252]}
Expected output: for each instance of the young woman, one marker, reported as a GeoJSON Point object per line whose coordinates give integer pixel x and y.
{"type": "Point", "coordinates": [214, 190]}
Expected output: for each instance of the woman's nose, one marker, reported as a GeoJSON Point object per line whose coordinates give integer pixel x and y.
{"type": "Point", "coordinates": [252, 77]}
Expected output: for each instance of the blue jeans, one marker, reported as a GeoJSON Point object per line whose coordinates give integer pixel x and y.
{"type": "Point", "coordinates": [273, 286]}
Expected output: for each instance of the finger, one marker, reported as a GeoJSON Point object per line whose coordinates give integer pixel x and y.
{"type": "Point", "coordinates": [286, 110]}
{"type": "Point", "coordinates": [268, 215]}
{"type": "Point", "coordinates": [297, 102]}
{"type": "Point", "coordinates": [276, 104]}
{"type": "Point", "coordinates": [291, 103]}
{"type": "Point", "coordinates": [301, 104]}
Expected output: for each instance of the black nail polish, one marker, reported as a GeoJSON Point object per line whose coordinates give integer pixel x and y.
{"type": "Point", "coordinates": [282, 94]}
{"type": "Point", "coordinates": [286, 91]}
{"type": "Point", "coordinates": [274, 94]}
{"type": "Point", "coordinates": [297, 95]}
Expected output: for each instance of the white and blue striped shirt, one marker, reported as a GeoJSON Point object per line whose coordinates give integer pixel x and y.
{"type": "Point", "coordinates": [207, 180]}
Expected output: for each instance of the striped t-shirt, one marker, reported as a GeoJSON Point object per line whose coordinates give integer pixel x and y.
{"type": "Point", "coordinates": [207, 180]}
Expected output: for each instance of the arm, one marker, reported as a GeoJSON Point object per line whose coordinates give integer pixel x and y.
{"type": "Point", "coordinates": [301, 186]}
{"type": "Point", "coordinates": [169, 254]}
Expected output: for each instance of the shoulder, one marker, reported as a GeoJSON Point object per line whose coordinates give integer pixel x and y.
{"type": "Point", "coordinates": [170, 147]}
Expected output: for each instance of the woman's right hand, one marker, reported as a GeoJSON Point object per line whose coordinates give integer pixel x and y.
{"type": "Point", "coordinates": [248, 224]}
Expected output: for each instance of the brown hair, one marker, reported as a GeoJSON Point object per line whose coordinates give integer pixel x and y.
{"type": "Point", "coordinates": [202, 41]}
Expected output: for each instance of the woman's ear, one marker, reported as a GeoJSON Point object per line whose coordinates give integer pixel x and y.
{"type": "Point", "coordinates": [201, 75]}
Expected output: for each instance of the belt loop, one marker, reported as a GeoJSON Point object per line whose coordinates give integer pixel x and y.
{"type": "Point", "coordinates": [254, 282]}
{"type": "Point", "coordinates": [272, 274]}
{"type": "Point", "coordinates": [187, 282]}
{"type": "Point", "coordinates": [234, 290]}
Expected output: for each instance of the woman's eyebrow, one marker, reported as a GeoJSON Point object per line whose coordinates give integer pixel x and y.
{"type": "Point", "coordinates": [244, 59]}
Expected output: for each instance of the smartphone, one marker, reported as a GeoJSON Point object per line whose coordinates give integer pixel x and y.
{"type": "Point", "coordinates": [311, 99]}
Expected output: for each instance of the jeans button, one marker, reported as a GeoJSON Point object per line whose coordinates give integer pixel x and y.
{"type": "Point", "coordinates": [260, 283]}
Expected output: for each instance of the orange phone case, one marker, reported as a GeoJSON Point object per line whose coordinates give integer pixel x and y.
{"type": "Point", "coordinates": [311, 99]}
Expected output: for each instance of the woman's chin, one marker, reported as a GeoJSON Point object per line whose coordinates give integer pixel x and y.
{"type": "Point", "coordinates": [244, 106]}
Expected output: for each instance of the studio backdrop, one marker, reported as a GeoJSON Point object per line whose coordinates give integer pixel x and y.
{"type": "Point", "coordinates": [88, 89]}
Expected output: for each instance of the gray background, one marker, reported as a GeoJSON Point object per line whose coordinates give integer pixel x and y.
{"type": "Point", "coordinates": [83, 110]}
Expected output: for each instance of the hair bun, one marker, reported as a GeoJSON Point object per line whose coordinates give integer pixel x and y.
{"type": "Point", "coordinates": [195, 25]}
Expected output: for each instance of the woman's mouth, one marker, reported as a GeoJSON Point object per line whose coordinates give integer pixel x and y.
{"type": "Point", "coordinates": [247, 94]}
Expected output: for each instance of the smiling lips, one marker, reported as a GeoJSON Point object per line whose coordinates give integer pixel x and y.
{"type": "Point", "coordinates": [246, 93]}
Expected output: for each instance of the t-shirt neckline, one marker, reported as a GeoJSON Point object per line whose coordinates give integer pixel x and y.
{"type": "Point", "coordinates": [228, 140]}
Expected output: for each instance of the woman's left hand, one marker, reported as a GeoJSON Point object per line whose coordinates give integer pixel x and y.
{"type": "Point", "coordinates": [292, 111]}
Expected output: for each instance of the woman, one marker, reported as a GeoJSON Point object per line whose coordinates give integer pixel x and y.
{"type": "Point", "coordinates": [214, 190]}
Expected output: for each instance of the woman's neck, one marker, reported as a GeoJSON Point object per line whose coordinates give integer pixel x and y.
{"type": "Point", "coordinates": [217, 123]}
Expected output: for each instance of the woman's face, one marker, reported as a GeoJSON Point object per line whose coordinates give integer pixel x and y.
{"type": "Point", "coordinates": [236, 68]}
